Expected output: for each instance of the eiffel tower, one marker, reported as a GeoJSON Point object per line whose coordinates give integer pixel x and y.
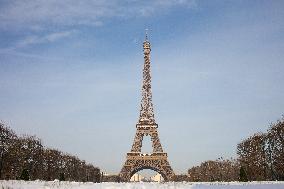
{"type": "Point", "coordinates": [158, 159]}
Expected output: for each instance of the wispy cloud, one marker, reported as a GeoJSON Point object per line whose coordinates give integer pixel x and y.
{"type": "Point", "coordinates": [34, 40]}
{"type": "Point", "coordinates": [37, 14]}
{"type": "Point", "coordinates": [51, 37]}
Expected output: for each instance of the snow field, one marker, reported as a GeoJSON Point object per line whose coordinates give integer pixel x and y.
{"type": "Point", "coordinates": [15, 184]}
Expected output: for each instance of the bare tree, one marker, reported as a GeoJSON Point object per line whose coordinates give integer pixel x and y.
{"type": "Point", "coordinates": [218, 170]}
{"type": "Point", "coordinates": [252, 157]}
{"type": "Point", "coordinates": [275, 150]}
{"type": "Point", "coordinates": [27, 155]}
{"type": "Point", "coordinates": [7, 136]}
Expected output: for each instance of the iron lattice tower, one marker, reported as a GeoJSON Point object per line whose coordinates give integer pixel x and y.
{"type": "Point", "coordinates": [146, 112]}
{"type": "Point", "coordinates": [157, 160]}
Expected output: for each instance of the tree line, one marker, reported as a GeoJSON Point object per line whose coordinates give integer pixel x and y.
{"type": "Point", "coordinates": [218, 170]}
{"type": "Point", "coordinates": [259, 157]}
{"type": "Point", "coordinates": [25, 157]}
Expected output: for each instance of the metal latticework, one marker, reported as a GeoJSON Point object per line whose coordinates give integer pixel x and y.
{"type": "Point", "coordinates": [146, 111]}
{"type": "Point", "coordinates": [157, 160]}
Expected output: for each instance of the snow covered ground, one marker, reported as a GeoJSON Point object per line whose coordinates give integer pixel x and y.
{"type": "Point", "coordinates": [12, 184]}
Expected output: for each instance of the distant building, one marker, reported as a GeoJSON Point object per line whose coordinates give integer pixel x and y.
{"type": "Point", "coordinates": [106, 177]}
{"type": "Point", "coordinates": [157, 178]}
{"type": "Point", "coordinates": [104, 173]}
{"type": "Point", "coordinates": [136, 178]}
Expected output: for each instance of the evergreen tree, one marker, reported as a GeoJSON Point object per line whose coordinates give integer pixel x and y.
{"type": "Point", "coordinates": [243, 175]}
{"type": "Point", "coordinates": [61, 177]}
{"type": "Point", "coordinates": [25, 175]}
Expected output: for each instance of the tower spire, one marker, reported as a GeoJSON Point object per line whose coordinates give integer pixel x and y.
{"type": "Point", "coordinates": [146, 34]}
{"type": "Point", "coordinates": [146, 112]}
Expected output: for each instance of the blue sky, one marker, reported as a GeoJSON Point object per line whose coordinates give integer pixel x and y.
{"type": "Point", "coordinates": [70, 73]}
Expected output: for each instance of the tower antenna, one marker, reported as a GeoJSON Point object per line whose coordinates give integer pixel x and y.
{"type": "Point", "coordinates": [146, 34]}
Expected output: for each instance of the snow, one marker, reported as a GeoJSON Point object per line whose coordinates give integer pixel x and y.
{"type": "Point", "coordinates": [15, 184]}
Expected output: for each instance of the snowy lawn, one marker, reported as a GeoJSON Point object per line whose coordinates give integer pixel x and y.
{"type": "Point", "coordinates": [12, 184]}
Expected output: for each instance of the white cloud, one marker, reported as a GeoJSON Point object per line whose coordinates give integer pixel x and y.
{"type": "Point", "coordinates": [51, 37]}
{"type": "Point", "coordinates": [175, 2]}
{"type": "Point", "coordinates": [37, 14]}
{"type": "Point", "coordinates": [54, 36]}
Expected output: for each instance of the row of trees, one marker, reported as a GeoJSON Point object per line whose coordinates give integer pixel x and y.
{"type": "Point", "coordinates": [24, 157]}
{"type": "Point", "coordinates": [260, 157]}
{"type": "Point", "coordinates": [218, 170]}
